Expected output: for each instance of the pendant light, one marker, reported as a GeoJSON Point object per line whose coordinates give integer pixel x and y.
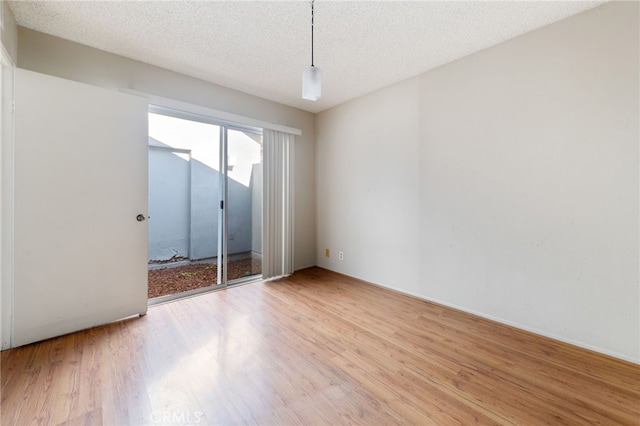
{"type": "Point", "coordinates": [312, 76]}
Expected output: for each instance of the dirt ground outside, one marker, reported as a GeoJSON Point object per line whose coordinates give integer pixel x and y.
{"type": "Point", "coordinates": [172, 280]}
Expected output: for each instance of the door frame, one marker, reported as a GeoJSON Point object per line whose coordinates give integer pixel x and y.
{"type": "Point", "coordinates": [7, 147]}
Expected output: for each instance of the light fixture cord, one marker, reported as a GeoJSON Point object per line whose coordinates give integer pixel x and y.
{"type": "Point", "coordinates": [312, 1]}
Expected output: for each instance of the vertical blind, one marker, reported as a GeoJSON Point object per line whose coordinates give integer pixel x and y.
{"type": "Point", "coordinates": [277, 204]}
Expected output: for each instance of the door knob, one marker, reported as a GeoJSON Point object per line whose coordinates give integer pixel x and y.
{"type": "Point", "coordinates": [140, 218]}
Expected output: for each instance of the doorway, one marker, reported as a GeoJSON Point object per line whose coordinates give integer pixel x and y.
{"type": "Point", "coordinates": [205, 204]}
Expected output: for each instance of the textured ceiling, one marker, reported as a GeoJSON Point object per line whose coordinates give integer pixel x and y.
{"type": "Point", "coordinates": [261, 47]}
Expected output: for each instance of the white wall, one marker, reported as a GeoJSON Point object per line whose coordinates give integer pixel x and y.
{"type": "Point", "coordinates": [504, 184]}
{"type": "Point", "coordinates": [51, 55]}
{"type": "Point", "coordinates": [8, 42]}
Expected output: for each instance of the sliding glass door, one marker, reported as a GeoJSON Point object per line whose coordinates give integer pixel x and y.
{"type": "Point", "coordinates": [205, 203]}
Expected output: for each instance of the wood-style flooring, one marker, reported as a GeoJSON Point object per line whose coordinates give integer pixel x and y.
{"type": "Point", "coordinates": [314, 348]}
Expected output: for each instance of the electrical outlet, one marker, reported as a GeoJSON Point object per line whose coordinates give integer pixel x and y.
{"type": "Point", "coordinates": [341, 255]}
{"type": "Point", "coordinates": [327, 253]}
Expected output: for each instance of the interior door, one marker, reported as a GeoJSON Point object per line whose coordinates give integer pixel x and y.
{"type": "Point", "coordinates": [80, 246]}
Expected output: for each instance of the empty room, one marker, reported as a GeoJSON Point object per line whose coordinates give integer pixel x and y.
{"type": "Point", "coordinates": [320, 212]}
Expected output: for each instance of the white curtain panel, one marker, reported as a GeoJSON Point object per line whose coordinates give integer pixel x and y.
{"type": "Point", "coordinates": [277, 207]}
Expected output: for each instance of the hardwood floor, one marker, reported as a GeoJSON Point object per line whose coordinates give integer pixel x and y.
{"type": "Point", "coordinates": [315, 348]}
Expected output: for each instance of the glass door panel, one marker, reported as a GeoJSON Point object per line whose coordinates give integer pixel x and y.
{"type": "Point", "coordinates": [184, 194]}
{"type": "Point", "coordinates": [244, 204]}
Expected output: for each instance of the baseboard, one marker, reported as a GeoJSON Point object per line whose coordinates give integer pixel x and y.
{"type": "Point", "coordinates": [578, 344]}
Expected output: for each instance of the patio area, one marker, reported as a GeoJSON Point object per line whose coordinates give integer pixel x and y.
{"type": "Point", "coordinates": [177, 279]}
